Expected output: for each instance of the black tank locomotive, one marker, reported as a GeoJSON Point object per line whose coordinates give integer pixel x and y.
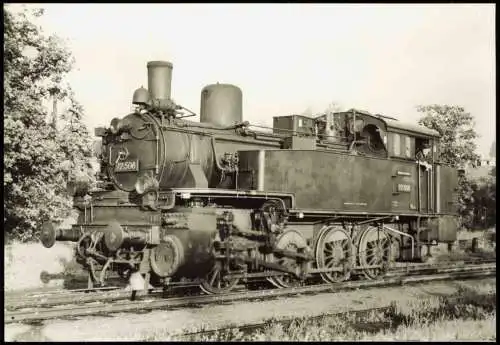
{"type": "Point", "coordinates": [221, 202]}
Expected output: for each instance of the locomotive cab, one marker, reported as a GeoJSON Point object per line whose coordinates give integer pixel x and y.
{"type": "Point", "coordinates": [358, 130]}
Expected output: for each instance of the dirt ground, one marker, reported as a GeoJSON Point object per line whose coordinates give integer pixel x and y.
{"type": "Point", "coordinates": [23, 264]}
{"type": "Point", "coordinates": [140, 326]}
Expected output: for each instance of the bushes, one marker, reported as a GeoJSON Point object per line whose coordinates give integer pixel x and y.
{"type": "Point", "coordinates": [457, 148]}
{"type": "Point", "coordinates": [478, 202]}
{"type": "Point", "coordinates": [40, 154]}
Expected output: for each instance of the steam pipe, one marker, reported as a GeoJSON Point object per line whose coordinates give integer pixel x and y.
{"type": "Point", "coordinates": [210, 126]}
{"type": "Point", "coordinates": [437, 173]}
{"type": "Point", "coordinates": [428, 174]}
{"type": "Point", "coordinates": [419, 187]}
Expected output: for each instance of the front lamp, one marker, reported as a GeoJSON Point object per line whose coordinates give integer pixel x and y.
{"type": "Point", "coordinates": [118, 126]}
{"type": "Point", "coordinates": [114, 125]}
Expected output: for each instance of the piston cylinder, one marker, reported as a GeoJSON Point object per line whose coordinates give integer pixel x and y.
{"type": "Point", "coordinates": [50, 234]}
{"type": "Point", "coordinates": [221, 105]}
{"type": "Point", "coordinates": [159, 79]}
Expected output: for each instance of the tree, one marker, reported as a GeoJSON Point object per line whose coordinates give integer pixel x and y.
{"type": "Point", "coordinates": [307, 112]}
{"type": "Point", "coordinates": [456, 126]}
{"type": "Point", "coordinates": [484, 201]}
{"type": "Point", "coordinates": [457, 148]}
{"type": "Point", "coordinates": [38, 158]}
{"type": "Point", "coordinates": [493, 149]}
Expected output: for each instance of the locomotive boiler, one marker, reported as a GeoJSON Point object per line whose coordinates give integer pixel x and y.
{"type": "Point", "coordinates": [221, 202]}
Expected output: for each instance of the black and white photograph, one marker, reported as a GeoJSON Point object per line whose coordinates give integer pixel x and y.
{"type": "Point", "coordinates": [249, 172]}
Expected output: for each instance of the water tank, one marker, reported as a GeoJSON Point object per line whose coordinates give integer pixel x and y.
{"type": "Point", "coordinates": [221, 105]}
{"type": "Point", "coordinates": [159, 79]}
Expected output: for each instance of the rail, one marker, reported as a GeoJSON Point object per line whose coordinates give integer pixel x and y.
{"type": "Point", "coordinates": [150, 303]}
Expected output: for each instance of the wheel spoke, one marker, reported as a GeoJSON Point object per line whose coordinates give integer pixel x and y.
{"type": "Point", "coordinates": [214, 276]}
{"type": "Point", "coordinates": [328, 248]}
{"type": "Point", "coordinates": [373, 251]}
{"type": "Point", "coordinates": [215, 283]}
{"type": "Point", "coordinates": [332, 251]}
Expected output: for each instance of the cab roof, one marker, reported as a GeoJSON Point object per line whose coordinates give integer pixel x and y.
{"type": "Point", "coordinates": [398, 126]}
{"type": "Point", "coordinates": [409, 127]}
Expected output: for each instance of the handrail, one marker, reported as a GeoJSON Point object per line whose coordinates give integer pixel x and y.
{"type": "Point", "coordinates": [403, 234]}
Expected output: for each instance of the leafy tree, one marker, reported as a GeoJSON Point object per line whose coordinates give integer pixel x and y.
{"type": "Point", "coordinates": [484, 203]}
{"type": "Point", "coordinates": [457, 148]}
{"type": "Point", "coordinates": [307, 112]}
{"type": "Point", "coordinates": [458, 136]}
{"type": "Point", "coordinates": [466, 208]}
{"type": "Point", "coordinates": [38, 157]}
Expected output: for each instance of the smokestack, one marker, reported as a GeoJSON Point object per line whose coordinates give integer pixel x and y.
{"type": "Point", "coordinates": [159, 79]}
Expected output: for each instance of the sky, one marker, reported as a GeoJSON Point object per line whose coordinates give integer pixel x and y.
{"type": "Point", "coordinates": [286, 58]}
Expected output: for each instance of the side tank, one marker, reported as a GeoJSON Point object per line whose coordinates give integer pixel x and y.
{"type": "Point", "coordinates": [221, 105]}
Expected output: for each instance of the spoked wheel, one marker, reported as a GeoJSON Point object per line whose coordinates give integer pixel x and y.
{"type": "Point", "coordinates": [334, 250]}
{"type": "Point", "coordinates": [287, 280]}
{"type": "Point", "coordinates": [374, 249]}
{"type": "Point", "coordinates": [290, 240]}
{"type": "Point", "coordinates": [214, 283]}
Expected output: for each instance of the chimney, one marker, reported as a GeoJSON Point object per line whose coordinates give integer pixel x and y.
{"type": "Point", "coordinates": [159, 79]}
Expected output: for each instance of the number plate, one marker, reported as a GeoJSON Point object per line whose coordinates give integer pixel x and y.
{"type": "Point", "coordinates": [127, 166]}
{"type": "Point", "coordinates": [405, 188]}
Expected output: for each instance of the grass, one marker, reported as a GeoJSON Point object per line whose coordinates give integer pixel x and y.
{"type": "Point", "coordinates": [467, 315]}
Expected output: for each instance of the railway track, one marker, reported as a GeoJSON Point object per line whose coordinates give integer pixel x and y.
{"type": "Point", "coordinates": [15, 301]}
{"type": "Point", "coordinates": [99, 303]}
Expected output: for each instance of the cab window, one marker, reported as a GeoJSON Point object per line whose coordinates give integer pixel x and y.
{"type": "Point", "coordinates": [396, 144]}
{"type": "Point", "coordinates": [403, 146]}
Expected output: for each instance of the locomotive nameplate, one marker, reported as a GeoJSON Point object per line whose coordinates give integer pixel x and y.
{"type": "Point", "coordinates": [126, 166]}
{"type": "Point", "coordinates": [405, 188]}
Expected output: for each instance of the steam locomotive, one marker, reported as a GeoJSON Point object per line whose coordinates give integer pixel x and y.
{"type": "Point", "coordinates": [221, 202]}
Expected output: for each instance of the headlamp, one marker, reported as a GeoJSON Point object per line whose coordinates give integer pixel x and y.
{"type": "Point", "coordinates": [114, 126]}
{"type": "Point", "coordinates": [119, 126]}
